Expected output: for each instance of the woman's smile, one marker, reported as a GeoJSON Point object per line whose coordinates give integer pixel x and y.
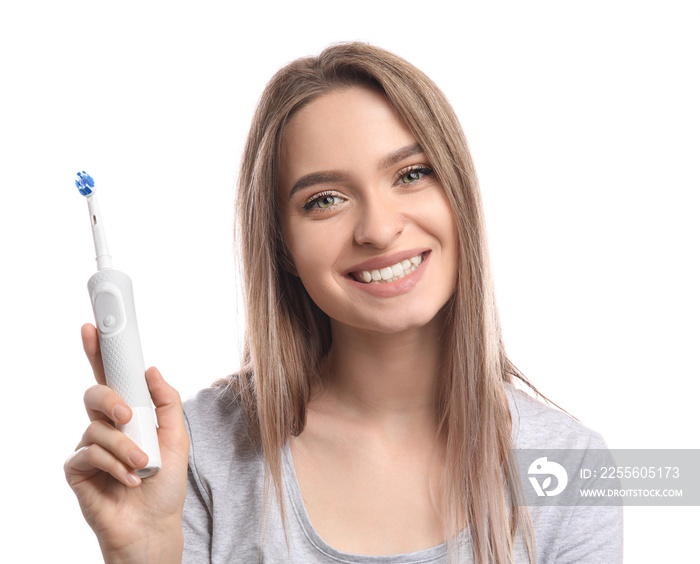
{"type": "Point", "coordinates": [387, 269]}
{"type": "Point", "coordinates": [387, 281]}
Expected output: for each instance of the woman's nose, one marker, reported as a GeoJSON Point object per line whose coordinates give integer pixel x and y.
{"type": "Point", "coordinates": [379, 222]}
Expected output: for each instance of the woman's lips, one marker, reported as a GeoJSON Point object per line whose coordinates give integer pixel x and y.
{"type": "Point", "coordinates": [397, 284]}
{"type": "Point", "coordinates": [384, 261]}
{"type": "Point", "coordinates": [390, 273]}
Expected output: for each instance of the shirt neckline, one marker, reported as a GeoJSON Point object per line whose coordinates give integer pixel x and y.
{"type": "Point", "coordinates": [432, 554]}
{"type": "Point", "coordinates": [428, 555]}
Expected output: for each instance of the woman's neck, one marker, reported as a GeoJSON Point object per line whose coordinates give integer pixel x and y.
{"type": "Point", "coordinates": [388, 379]}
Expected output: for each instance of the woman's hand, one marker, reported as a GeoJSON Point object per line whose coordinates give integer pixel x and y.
{"type": "Point", "coordinates": [134, 519]}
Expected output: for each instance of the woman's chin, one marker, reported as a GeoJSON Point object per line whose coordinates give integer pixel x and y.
{"type": "Point", "coordinates": [399, 325]}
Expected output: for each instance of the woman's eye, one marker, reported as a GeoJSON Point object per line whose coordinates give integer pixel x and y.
{"type": "Point", "coordinates": [322, 202]}
{"type": "Point", "coordinates": [414, 174]}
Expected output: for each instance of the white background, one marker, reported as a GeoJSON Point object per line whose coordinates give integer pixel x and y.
{"type": "Point", "coordinates": [583, 121]}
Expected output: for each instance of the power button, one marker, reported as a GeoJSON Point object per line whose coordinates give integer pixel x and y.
{"type": "Point", "coordinates": [109, 308]}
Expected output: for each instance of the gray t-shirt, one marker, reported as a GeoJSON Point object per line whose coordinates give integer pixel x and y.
{"type": "Point", "coordinates": [223, 517]}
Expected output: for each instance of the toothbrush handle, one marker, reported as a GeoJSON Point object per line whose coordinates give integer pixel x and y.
{"type": "Point", "coordinates": [112, 298]}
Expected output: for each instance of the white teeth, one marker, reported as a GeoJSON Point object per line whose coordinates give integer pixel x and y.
{"type": "Point", "coordinates": [390, 273]}
{"type": "Point", "coordinates": [387, 273]}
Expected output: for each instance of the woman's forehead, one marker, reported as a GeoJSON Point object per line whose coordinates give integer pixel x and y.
{"type": "Point", "coordinates": [342, 129]}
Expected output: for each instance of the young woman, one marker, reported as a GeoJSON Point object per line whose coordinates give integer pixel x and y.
{"type": "Point", "coordinates": [372, 419]}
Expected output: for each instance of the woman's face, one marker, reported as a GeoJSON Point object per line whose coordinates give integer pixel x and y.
{"type": "Point", "coordinates": [359, 201]}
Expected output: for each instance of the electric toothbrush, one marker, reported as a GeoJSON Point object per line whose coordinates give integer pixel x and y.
{"type": "Point", "coordinates": [112, 298]}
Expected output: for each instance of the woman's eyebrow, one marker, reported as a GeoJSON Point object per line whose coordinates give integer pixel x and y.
{"type": "Point", "coordinates": [331, 176]}
{"type": "Point", "coordinates": [401, 154]}
{"type": "Point", "coordinates": [317, 178]}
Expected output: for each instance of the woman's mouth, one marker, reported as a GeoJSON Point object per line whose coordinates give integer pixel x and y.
{"type": "Point", "coordinates": [389, 273]}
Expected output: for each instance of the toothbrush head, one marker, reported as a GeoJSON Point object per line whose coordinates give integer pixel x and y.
{"type": "Point", "coordinates": [85, 183]}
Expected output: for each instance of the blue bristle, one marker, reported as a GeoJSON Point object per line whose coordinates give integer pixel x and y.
{"type": "Point", "coordinates": [85, 183]}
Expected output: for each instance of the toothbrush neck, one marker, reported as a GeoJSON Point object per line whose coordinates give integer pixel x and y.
{"type": "Point", "coordinates": [104, 262]}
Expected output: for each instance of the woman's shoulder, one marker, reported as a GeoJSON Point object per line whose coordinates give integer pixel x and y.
{"type": "Point", "coordinates": [225, 479]}
{"type": "Point", "coordinates": [218, 426]}
{"type": "Point", "coordinates": [539, 425]}
{"type": "Point", "coordinates": [216, 407]}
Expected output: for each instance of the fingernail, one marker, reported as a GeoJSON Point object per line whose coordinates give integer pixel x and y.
{"type": "Point", "coordinates": [133, 479]}
{"type": "Point", "coordinates": [137, 457]}
{"type": "Point", "coordinates": [120, 412]}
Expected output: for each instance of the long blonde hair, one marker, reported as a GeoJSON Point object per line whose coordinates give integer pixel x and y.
{"type": "Point", "coordinates": [287, 334]}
